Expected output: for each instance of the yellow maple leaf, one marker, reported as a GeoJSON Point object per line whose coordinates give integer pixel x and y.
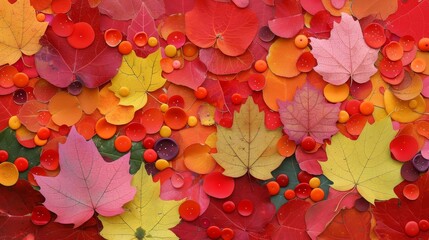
{"type": "Point", "coordinates": [364, 164]}
{"type": "Point", "coordinates": [136, 77]}
{"type": "Point", "coordinates": [19, 31]}
{"type": "Point", "coordinates": [146, 217]}
{"type": "Point", "coordinates": [248, 145]}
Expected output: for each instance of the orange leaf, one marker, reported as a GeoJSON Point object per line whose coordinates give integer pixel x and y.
{"type": "Point", "coordinates": [380, 9]}
{"type": "Point", "coordinates": [65, 109]}
{"type": "Point", "coordinates": [88, 99]}
{"type": "Point", "coordinates": [198, 159]}
{"type": "Point", "coordinates": [282, 57]}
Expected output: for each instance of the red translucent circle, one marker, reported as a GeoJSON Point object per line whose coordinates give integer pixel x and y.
{"type": "Point", "coordinates": [35, 171]}
{"type": "Point", "coordinates": [21, 164]}
{"type": "Point", "coordinates": [40, 215]}
{"type": "Point", "coordinates": [176, 118]}
{"type": "Point", "coordinates": [150, 155]}
{"type": "Point", "coordinates": [308, 143]}
{"type": "Point", "coordinates": [245, 207]}
{"type": "Point", "coordinates": [228, 206]}
{"type": "Point", "coordinates": [176, 101]}
{"type": "Point", "coordinates": [49, 159]}
{"type": "Point", "coordinates": [306, 62]}
{"type": "Point", "coordinates": [189, 210]}
{"type": "Point", "coordinates": [140, 39]}
{"type": "Point", "coordinates": [61, 6]}
{"type": "Point", "coordinates": [412, 229]}
{"type": "Point", "coordinates": [395, 80]}
{"type": "Point", "coordinates": [176, 39]}
{"type": "Point", "coordinates": [407, 42]}
{"type": "Point", "coordinates": [256, 82]}
{"type": "Point", "coordinates": [374, 35]}
{"type": "Point", "coordinates": [148, 142]}
{"type": "Point", "coordinates": [177, 180]}
{"type": "Point", "coordinates": [303, 190]}
{"type": "Point", "coordinates": [82, 36]}
{"type": "Point", "coordinates": [411, 191]}
{"type": "Point", "coordinates": [352, 107]}
{"type": "Point", "coordinates": [424, 225]}
{"type": "Point", "coordinates": [135, 131]}
{"type": "Point", "coordinates": [404, 148]}
{"type": "Point", "coordinates": [236, 98]}
{"type": "Point", "coordinates": [304, 177]}
{"type": "Point", "coordinates": [62, 25]}
{"type": "Point", "coordinates": [218, 185]}
{"type": "Point", "coordinates": [213, 232]}
{"type": "Point", "coordinates": [361, 91]}
{"type": "Point", "coordinates": [4, 155]}
{"type": "Point", "coordinates": [282, 180]}
{"type": "Point", "coordinates": [152, 119]}
{"type": "Point", "coordinates": [390, 69]}
{"type": "Point", "coordinates": [112, 37]}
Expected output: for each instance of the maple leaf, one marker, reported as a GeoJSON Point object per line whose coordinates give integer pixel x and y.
{"type": "Point", "coordinates": [309, 114]}
{"type": "Point", "coordinates": [20, 31]}
{"type": "Point", "coordinates": [244, 227]}
{"type": "Point", "coordinates": [146, 216]}
{"type": "Point", "coordinates": [393, 215]}
{"type": "Point", "coordinates": [232, 33]}
{"type": "Point", "coordinates": [345, 54]}
{"type": "Point", "coordinates": [248, 145]}
{"type": "Point", "coordinates": [364, 164]}
{"type": "Point", "coordinates": [61, 64]}
{"type": "Point", "coordinates": [137, 76]}
{"type": "Point", "coordinates": [86, 183]}
{"type": "Point", "coordinates": [221, 64]}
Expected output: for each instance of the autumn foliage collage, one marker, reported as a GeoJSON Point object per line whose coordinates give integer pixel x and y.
{"type": "Point", "coordinates": [214, 119]}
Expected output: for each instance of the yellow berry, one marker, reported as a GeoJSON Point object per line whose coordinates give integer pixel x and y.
{"type": "Point", "coordinates": [314, 182]}
{"type": "Point", "coordinates": [164, 107]}
{"type": "Point", "coordinates": [343, 116]}
{"type": "Point", "coordinates": [124, 91]}
{"type": "Point", "coordinates": [14, 122]}
{"type": "Point", "coordinates": [170, 50]}
{"type": "Point", "coordinates": [161, 164]}
{"type": "Point", "coordinates": [165, 131]}
{"type": "Point", "coordinates": [152, 41]}
{"type": "Point", "coordinates": [38, 141]}
{"type": "Point", "coordinates": [192, 121]}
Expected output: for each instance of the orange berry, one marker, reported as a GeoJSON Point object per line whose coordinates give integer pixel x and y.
{"type": "Point", "coordinates": [424, 44]}
{"type": "Point", "coordinates": [261, 65]}
{"type": "Point", "coordinates": [125, 47]}
{"type": "Point", "coordinates": [40, 17]}
{"type": "Point", "coordinates": [163, 98]}
{"type": "Point", "coordinates": [189, 49]}
{"type": "Point", "coordinates": [301, 41]}
{"type": "Point", "coordinates": [200, 93]}
{"type": "Point", "coordinates": [123, 143]}
{"type": "Point", "coordinates": [289, 194]}
{"type": "Point", "coordinates": [273, 188]}
{"type": "Point", "coordinates": [317, 194]}
{"type": "Point", "coordinates": [20, 79]}
{"type": "Point", "coordinates": [366, 108]}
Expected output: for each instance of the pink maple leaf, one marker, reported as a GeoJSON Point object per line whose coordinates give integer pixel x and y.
{"type": "Point", "coordinates": [309, 114]}
{"type": "Point", "coordinates": [86, 183]}
{"type": "Point", "coordinates": [345, 54]}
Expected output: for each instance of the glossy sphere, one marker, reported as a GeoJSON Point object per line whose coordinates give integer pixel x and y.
{"type": "Point", "coordinates": [165, 131]}
{"type": "Point", "coordinates": [236, 98]}
{"type": "Point", "coordinates": [170, 50]}
{"type": "Point", "coordinates": [308, 143]}
{"type": "Point", "coordinates": [14, 122]}
{"type": "Point", "coordinates": [43, 133]}
{"type": "Point", "coordinates": [200, 93]}
{"type": "Point", "coordinates": [192, 121]}
{"type": "Point", "coordinates": [162, 164]}
{"type": "Point", "coordinates": [261, 65]}
{"type": "Point", "coordinates": [424, 225]}
{"type": "Point", "coordinates": [21, 164]}
{"type": "Point", "coordinates": [152, 41]}
{"type": "Point", "coordinates": [4, 155]}
{"type": "Point", "coordinates": [317, 194]}
{"type": "Point", "coordinates": [412, 229]}
{"type": "Point", "coordinates": [282, 180]}
{"type": "Point", "coordinates": [125, 47]}
{"type": "Point", "coordinates": [148, 142]}
{"type": "Point", "coordinates": [289, 194]}
{"type": "Point", "coordinates": [314, 182]}
{"type": "Point", "coordinates": [304, 177]}
{"type": "Point", "coordinates": [150, 155]}
{"type": "Point", "coordinates": [213, 232]}
{"type": "Point", "coordinates": [343, 116]}
{"type": "Point", "coordinates": [41, 17]}
{"type": "Point", "coordinates": [38, 141]}
{"type": "Point", "coordinates": [123, 144]}
{"type": "Point", "coordinates": [366, 108]}
{"type": "Point", "coordinates": [301, 41]}
{"type": "Point", "coordinates": [273, 188]}
{"type": "Point", "coordinates": [424, 44]}
{"type": "Point", "coordinates": [20, 80]}
{"type": "Point", "coordinates": [163, 107]}
{"type": "Point", "coordinates": [227, 234]}
{"type": "Point", "coordinates": [245, 207]}
{"type": "Point", "coordinates": [228, 206]}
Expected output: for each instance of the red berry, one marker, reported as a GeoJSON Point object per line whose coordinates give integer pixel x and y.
{"type": "Point", "coordinates": [304, 177]}
{"type": "Point", "coordinates": [412, 229]}
{"type": "Point", "coordinates": [282, 180]}
{"type": "Point", "coordinates": [308, 143]}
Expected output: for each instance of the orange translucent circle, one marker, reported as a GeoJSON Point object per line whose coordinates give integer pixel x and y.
{"type": "Point", "coordinates": [140, 39]}
{"type": "Point", "coordinates": [189, 49]}
{"type": "Point", "coordinates": [112, 37]}
{"type": "Point", "coordinates": [6, 76]}
{"type": "Point", "coordinates": [104, 129]}
{"type": "Point", "coordinates": [9, 174]}
{"type": "Point", "coordinates": [394, 51]}
{"type": "Point", "coordinates": [125, 47]}
{"type": "Point", "coordinates": [418, 65]}
{"type": "Point", "coordinates": [336, 94]}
